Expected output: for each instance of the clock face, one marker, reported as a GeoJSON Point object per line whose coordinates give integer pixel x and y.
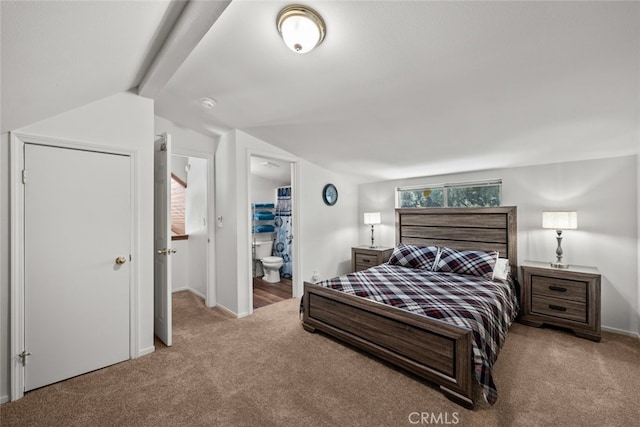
{"type": "Point", "coordinates": [330, 194]}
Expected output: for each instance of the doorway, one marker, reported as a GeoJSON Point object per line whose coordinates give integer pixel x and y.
{"type": "Point", "coordinates": [191, 244]}
{"type": "Point", "coordinates": [271, 204]}
{"type": "Point", "coordinates": [189, 224]}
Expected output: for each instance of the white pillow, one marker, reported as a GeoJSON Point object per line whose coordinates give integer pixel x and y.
{"type": "Point", "coordinates": [501, 269]}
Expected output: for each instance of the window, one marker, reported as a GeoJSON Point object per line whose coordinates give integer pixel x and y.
{"type": "Point", "coordinates": [461, 195]}
{"type": "Point", "coordinates": [178, 187]}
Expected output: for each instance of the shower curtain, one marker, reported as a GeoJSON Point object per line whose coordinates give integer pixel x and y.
{"type": "Point", "coordinates": [282, 243]}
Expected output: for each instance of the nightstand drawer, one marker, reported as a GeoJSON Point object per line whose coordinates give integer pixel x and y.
{"type": "Point", "coordinates": [557, 307]}
{"type": "Point", "coordinates": [366, 260]}
{"type": "Point", "coordinates": [363, 257]}
{"type": "Point", "coordinates": [567, 298]}
{"type": "Point", "coordinates": [559, 288]}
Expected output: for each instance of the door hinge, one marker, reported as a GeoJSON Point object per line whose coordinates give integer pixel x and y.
{"type": "Point", "coordinates": [24, 176]}
{"type": "Point", "coordinates": [23, 357]}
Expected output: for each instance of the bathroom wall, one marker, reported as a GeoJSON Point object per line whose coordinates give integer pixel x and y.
{"type": "Point", "coordinates": [263, 190]}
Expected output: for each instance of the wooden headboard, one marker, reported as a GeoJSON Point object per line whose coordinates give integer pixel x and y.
{"type": "Point", "coordinates": [482, 229]}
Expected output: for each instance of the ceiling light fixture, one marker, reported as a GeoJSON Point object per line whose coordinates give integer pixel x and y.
{"type": "Point", "coordinates": [207, 103]}
{"type": "Point", "coordinates": [301, 28]}
{"type": "Point", "coordinates": [268, 164]}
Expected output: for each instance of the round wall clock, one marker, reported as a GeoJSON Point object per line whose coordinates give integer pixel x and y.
{"type": "Point", "coordinates": [330, 194]}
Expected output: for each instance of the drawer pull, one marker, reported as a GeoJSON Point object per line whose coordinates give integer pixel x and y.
{"type": "Point", "coordinates": [557, 307]}
{"type": "Point", "coordinates": [557, 288]}
{"type": "Point", "coordinates": [366, 260]}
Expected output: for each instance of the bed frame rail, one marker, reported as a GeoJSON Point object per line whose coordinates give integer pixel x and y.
{"type": "Point", "coordinates": [429, 348]}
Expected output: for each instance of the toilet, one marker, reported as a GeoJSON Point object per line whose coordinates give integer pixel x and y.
{"type": "Point", "coordinates": [270, 264]}
{"type": "Point", "coordinates": [271, 267]}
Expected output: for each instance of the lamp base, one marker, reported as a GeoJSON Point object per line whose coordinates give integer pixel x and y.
{"type": "Point", "coordinates": [373, 246]}
{"type": "Point", "coordinates": [559, 265]}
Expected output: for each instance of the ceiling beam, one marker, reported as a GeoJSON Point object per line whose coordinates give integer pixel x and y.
{"type": "Point", "coordinates": [194, 22]}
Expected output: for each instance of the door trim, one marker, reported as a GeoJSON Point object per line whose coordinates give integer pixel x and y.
{"type": "Point", "coordinates": [17, 142]}
{"type": "Point", "coordinates": [296, 279]}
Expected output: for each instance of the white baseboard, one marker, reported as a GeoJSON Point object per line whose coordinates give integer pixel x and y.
{"type": "Point", "coordinates": [620, 332]}
{"type": "Point", "coordinates": [4, 399]}
{"type": "Point", "coordinates": [223, 308]}
{"type": "Point", "coordinates": [146, 351]}
{"type": "Point", "coordinates": [187, 288]}
{"type": "Point", "coordinates": [196, 293]}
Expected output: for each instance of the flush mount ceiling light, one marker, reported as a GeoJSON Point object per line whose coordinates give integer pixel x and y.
{"type": "Point", "coordinates": [268, 164]}
{"type": "Point", "coordinates": [301, 28]}
{"type": "Point", "coordinates": [207, 103]}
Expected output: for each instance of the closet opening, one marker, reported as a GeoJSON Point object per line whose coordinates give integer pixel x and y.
{"type": "Point", "coordinates": [271, 230]}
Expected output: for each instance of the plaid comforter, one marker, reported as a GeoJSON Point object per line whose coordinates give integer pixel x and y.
{"type": "Point", "coordinates": [487, 307]}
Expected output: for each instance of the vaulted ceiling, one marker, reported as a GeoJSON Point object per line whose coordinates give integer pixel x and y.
{"type": "Point", "coordinates": [397, 89]}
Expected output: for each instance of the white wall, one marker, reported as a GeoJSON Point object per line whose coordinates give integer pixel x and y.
{"type": "Point", "coordinates": [326, 234]}
{"type": "Point", "coordinates": [185, 141]}
{"type": "Point", "coordinates": [5, 252]}
{"type": "Point", "coordinates": [178, 165]}
{"type": "Point", "coordinates": [180, 266]}
{"type": "Point", "coordinates": [196, 224]}
{"type": "Point", "coordinates": [263, 190]}
{"type": "Point", "coordinates": [226, 243]}
{"type": "Point", "coordinates": [605, 194]}
{"type": "Point", "coordinates": [123, 121]}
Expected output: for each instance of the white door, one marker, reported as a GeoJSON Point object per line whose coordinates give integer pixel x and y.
{"type": "Point", "coordinates": [77, 216]}
{"type": "Point", "coordinates": [162, 237]}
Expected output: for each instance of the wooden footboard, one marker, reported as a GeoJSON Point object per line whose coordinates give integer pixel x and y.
{"type": "Point", "coordinates": [430, 348]}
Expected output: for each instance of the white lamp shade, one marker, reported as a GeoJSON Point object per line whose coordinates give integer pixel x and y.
{"type": "Point", "coordinates": [560, 220]}
{"type": "Point", "coordinates": [372, 218]}
{"type": "Point", "coordinates": [300, 34]}
{"type": "Point", "coordinates": [301, 28]}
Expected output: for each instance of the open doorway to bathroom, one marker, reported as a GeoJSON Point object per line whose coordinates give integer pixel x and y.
{"type": "Point", "coordinates": [271, 230]}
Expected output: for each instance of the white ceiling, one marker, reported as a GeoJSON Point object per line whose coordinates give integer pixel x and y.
{"type": "Point", "coordinates": [59, 55]}
{"type": "Point", "coordinates": [397, 89]}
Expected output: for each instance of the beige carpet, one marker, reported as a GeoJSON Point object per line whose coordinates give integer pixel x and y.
{"type": "Point", "coordinates": [265, 370]}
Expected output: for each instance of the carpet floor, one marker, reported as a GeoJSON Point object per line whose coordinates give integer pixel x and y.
{"type": "Point", "coordinates": [265, 370]}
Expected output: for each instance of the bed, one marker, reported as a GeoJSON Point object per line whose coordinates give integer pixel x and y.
{"type": "Point", "coordinates": [436, 349]}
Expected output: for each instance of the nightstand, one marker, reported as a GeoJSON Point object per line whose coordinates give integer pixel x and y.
{"type": "Point", "coordinates": [363, 257]}
{"type": "Point", "coordinates": [567, 297]}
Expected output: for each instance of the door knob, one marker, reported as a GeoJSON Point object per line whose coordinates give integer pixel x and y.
{"type": "Point", "coordinates": [121, 260]}
{"type": "Point", "coordinates": [166, 251]}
